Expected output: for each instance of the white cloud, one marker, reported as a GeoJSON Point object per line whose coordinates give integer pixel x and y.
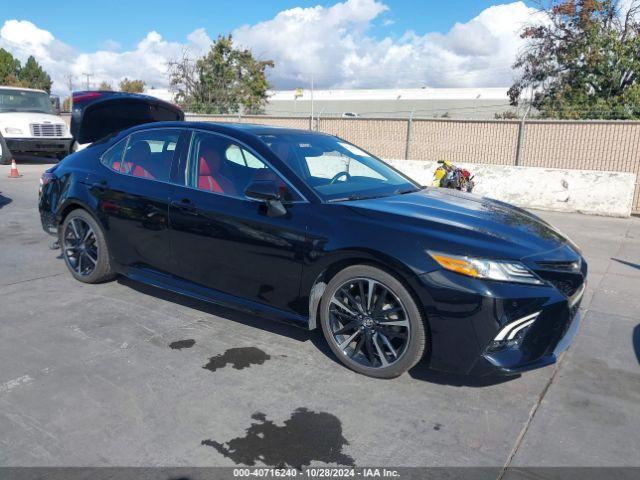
{"type": "Point", "coordinates": [625, 5]}
{"type": "Point", "coordinates": [334, 43]}
{"type": "Point", "coordinates": [147, 61]}
{"type": "Point", "coordinates": [111, 45]}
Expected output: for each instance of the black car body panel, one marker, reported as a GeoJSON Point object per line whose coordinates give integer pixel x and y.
{"type": "Point", "coordinates": [228, 250]}
{"type": "Point", "coordinates": [98, 114]}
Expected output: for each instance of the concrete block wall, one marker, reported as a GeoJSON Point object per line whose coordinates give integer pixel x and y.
{"type": "Point", "coordinates": [562, 190]}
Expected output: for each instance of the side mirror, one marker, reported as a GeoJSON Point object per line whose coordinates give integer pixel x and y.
{"type": "Point", "coordinates": [55, 104]}
{"type": "Point", "coordinates": [267, 191]}
{"type": "Point", "coordinates": [263, 190]}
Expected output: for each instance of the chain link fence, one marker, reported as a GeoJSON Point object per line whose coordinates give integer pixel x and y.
{"type": "Point", "coordinates": [583, 145]}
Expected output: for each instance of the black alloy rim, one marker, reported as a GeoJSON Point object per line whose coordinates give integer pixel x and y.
{"type": "Point", "coordinates": [368, 322]}
{"type": "Point", "coordinates": [80, 247]}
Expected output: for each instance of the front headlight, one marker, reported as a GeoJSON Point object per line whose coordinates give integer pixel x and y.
{"type": "Point", "coordinates": [500, 270]}
{"type": "Point", "coordinates": [13, 130]}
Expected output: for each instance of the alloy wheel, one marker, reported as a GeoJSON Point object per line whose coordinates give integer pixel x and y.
{"type": "Point", "coordinates": [369, 323]}
{"type": "Point", "coordinates": [80, 247]}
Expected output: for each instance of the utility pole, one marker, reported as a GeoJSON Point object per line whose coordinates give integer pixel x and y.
{"type": "Point", "coordinates": [311, 101]}
{"type": "Point", "coordinates": [88, 76]}
{"type": "Point", "coordinates": [521, 133]}
{"type": "Point", "coordinates": [70, 85]}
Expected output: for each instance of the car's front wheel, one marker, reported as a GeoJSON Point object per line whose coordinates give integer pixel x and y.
{"type": "Point", "coordinates": [84, 248]}
{"type": "Point", "coordinates": [372, 322]}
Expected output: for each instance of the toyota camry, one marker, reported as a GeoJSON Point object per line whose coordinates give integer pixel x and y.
{"type": "Point", "coordinates": [309, 229]}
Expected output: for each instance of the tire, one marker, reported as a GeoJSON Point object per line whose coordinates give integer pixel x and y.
{"type": "Point", "coordinates": [88, 262]}
{"type": "Point", "coordinates": [386, 315]}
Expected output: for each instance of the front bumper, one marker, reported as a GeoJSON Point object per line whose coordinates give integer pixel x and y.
{"type": "Point", "coordinates": [514, 360]}
{"type": "Point", "coordinates": [39, 145]}
{"type": "Point", "coordinates": [471, 320]}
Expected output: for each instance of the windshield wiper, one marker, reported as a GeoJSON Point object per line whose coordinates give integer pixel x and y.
{"type": "Point", "coordinates": [351, 198]}
{"type": "Point", "coordinates": [406, 191]}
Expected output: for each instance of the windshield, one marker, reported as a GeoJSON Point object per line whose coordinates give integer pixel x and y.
{"type": "Point", "coordinates": [335, 169]}
{"type": "Point", "coordinates": [24, 101]}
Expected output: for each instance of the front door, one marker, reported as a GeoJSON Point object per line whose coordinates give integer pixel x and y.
{"type": "Point", "coordinates": [225, 241]}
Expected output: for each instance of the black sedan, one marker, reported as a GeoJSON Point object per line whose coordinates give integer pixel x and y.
{"type": "Point", "coordinates": [309, 229]}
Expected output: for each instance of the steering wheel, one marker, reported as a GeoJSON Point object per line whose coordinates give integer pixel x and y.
{"type": "Point", "coordinates": [338, 175]}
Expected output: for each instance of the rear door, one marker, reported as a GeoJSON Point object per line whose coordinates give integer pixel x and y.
{"type": "Point", "coordinates": [132, 191]}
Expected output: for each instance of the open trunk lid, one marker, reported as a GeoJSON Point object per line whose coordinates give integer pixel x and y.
{"type": "Point", "coordinates": [98, 114]}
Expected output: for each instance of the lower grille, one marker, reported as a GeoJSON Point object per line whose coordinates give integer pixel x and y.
{"type": "Point", "coordinates": [566, 287]}
{"type": "Point", "coordinates": [47, 129]}
{"type": "Point", "coordinates": [567, 283]}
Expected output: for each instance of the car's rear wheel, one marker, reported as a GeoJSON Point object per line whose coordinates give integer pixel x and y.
{"type": "Point", "coordinates": [372, 323]}
{"type": "Point", "coordinates": [84, 248]}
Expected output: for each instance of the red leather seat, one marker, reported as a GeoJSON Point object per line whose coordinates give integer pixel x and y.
{"type": "Point", "coordinates": [122, 167]}
{"type": "Point", "coordinates": [140, 157]}
{"type": "Point", "coordinates": [209, 176]}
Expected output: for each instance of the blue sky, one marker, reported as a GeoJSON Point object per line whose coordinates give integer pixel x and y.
{"type": "Point", "coordinates": [341, 43]}
{"type": "Point", "coordinates": [87, 25]}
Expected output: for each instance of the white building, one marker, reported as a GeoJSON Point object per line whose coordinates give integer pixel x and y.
{"type": "Point", "coordinates": [480, 103]}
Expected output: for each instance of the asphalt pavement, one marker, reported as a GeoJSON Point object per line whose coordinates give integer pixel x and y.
{"type": "Point", "coordinates": [124, 374]}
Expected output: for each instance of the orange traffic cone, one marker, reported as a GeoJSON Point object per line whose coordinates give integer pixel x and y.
{"type": "Point", "coordinates": [14, 169]}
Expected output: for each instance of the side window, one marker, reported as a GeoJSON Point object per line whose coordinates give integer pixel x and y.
{"type": "Point", "coordinates": [148, 154]}
{"type": "Point", "coordinates": [222, 166]}
{"type": "Point", "coordinates": [240, 156]}
{"type": "Point", "coordinates": [112, 158]}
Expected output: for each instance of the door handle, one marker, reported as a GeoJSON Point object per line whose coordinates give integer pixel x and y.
{"type": "Point", "coordinates": [185, 206]}
{"type": "Point", "coordinates": [101, 185]}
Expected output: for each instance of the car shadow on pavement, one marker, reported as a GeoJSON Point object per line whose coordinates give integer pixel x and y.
{"type": "Point", "coordinates": [283, 329]}
{"type": "Point", "coordinates": [4, 201]}
{"type": "Point", "coordinates": [636, 342]}
{"type": "Point", "coordinates": [422, 372]}
{"type": "Point", "coordinates": [419, 372]}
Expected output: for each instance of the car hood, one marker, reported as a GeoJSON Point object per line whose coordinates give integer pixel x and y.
{"type": "Point", "coordinates": [465, 224]}
{"type": "Point", "coordinates": [98, 114]}
{"type": "Point", "coordinates": [31, 117]}
{"type": "Point", "coordinates": [22, 120]}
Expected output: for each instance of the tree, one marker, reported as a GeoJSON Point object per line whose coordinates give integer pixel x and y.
{"type": "Point", "coordinates": [222, 81]}
{"type": "Point", "coordinates": [105, 86]}
{"type": "Point", "coordinates": [132, 86]}
{"type": "Point", "coordinates": [506, 115]}
{"type": "Point", "coordinates": [33, 76]}
{"type": "Point", "coordinates": [9, 69]}
{"type": "Point", "coordinates": [582, 61]}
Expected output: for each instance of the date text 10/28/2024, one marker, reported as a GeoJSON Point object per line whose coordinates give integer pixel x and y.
{"type": "Point", "coordinates": [316, 473]}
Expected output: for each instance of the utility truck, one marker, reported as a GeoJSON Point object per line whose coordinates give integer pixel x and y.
{"type": "Point", "coordinates": [29, 125]}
